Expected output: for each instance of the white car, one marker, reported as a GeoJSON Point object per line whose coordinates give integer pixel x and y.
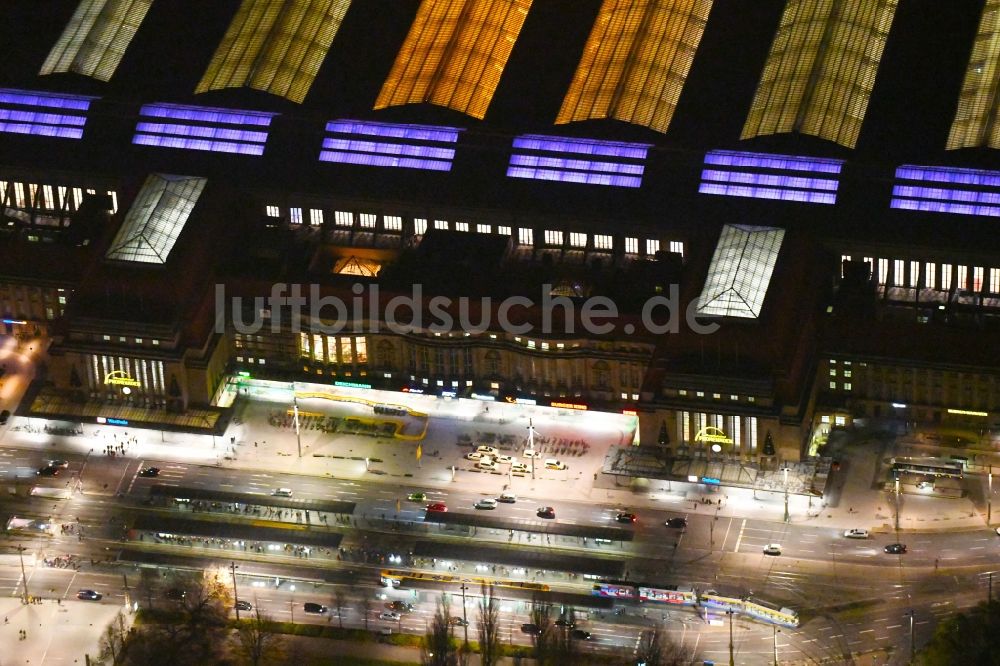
{"type": "Point", "coordinates": [487, 450]}
{"type": "Point", "coordinates": [856, 533]}
{"type": "Point", "coordinates": [520, 468]}
{"type": "Point", "coordinates": [505, 460]}
{"type": "Point", "coordinates": [282, 492]}
{"type": "Point", "coordinates": [553, 463]}
{"type": "Point", "coordinates": [486, 504]}
{"type": "Point", "coordinates": [531, 453]}
{"type": "Point", "coordinates": [487, 464]}
{"type": "Point", "coordinates": [389, 615]}
{"type": "Point", "coordinates": [508, 497]}
{"type": "Point", "coordinates": [772, 549]}
{"type": "Point", "coordinates": [475, 455]}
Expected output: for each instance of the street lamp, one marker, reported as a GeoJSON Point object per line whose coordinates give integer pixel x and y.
{"type": "Point", "coordinates": [295, 413]}
{"type": "Point", "coordinates": [531, 446]}
{"type": "Point", "coordinates": [776, 630]}
{"type": "Point", "coordinates": [24, 577]}
{"type": "Point", "coordinates": [897, 504]}
{"type": "Point", "coordinates": [465, 619]}
{"type": "Point", "coordinates": [989, 496]}
{"type": "Point", "coordinates": [236, 598]}
{"type": "Point", "coordinates": [785, 470]}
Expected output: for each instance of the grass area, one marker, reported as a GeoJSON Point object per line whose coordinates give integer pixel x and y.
{"type": "Point", "coordinates": [346, 660]}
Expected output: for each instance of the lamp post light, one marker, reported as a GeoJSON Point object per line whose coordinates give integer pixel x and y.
{"type": "Point", "coordinates": [989, 496]}
{"type": "Point", "coordinates": [24, 577]}
{"type": "Point", "coordinates": [236, 598]}
{"type": "Point", "coordinates": [897, 503]}
{"type": "Point", "coordinates": [531, 446]}
{"type": "Point", "coordinates": [295, 413]}
{"type": "Point", "coordinates": [465, 619]}
{"type": "Point", "coordinates": [775, 635]}
{"type": "Point", "coordinates": [785, 470]}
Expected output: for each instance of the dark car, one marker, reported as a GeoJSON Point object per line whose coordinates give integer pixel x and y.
{"type": "Point", "coordinates": [4, 415]}
{"type": "Point", "coordinates": [89, 595]}
{"type": "Point", "coordinates": [530, 629]}
{"type": "Point", "coordinates": [457, 621]}
{"type": "Point", "coordinates": [546, 512]}
{"type": "Point", "coordinates": [677, 522]}
{"type": "Point", "coordinates": [243, 605]}
{"type": "Point", "coordinates": [564, 623]}
{"type": "Point", "coordinates": [176, 594]}
{"type": "Point", "coordinates": [626, 517]}
{"type": "Point", "coordinates": [310, 607]}
{"type": "Point", "coordinates": [580, 634]}
{"type": "Point", "coordinates": [895, 548]}
{"type": "Point", "coordinates": [48, 470]}
{"type": "Point", "coordinates": [61, 464]}
{"type": "Point", "coordinates": [399, 606]}
{"type": "Point", "coordinates": [149, 471]}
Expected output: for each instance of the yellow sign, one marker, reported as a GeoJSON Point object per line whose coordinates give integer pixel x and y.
{"type": "Point", "coordinates": [967, 412]}
{"type": "Point", "coordinates": [713, 435]}
{"type": "Point", "coordinates": [121, 378]}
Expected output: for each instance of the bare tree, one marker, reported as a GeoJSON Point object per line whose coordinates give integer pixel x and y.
{"type": "Point", "coordinates": [489, 626]}
{"type": "Point", "coordinates": [439, 645]}
{"type": "Point", "coordinates": [114, 640]}
{"type": "Point", "coordinates": [655, 648]}
{"type": "Point", "coordinates": [257, 640]}
{"type": "Point", "coordinates": [365, 605]}
{"type": "Point", "coordinates": [542, 639]}
{"type": "Point", "coordinates": [340, 600]}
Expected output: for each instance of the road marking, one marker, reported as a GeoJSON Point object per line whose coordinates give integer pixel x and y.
{"type": "Point", "coordinates": [739, 538]}
{"type": "Point", "coordinates": [894, 626]}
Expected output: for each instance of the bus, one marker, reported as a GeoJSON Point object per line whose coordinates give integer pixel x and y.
{"type": "Point", "coordinates": [51, 493]}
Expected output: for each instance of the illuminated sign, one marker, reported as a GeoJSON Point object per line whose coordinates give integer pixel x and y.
{"type": "Point", "coordinates": [483, 396]}
{"type": "Point", "coordinates": [900, 405]}
{"type": "Point", "coordinates": [568, 405]}
{"type": "Point", "coordinates": [710, 480]}
{"type": "Point", "coordinates": [525, 401]}
{"type": "Point", "coordinates": [121, 378]}
{"type": "Point", "coordinates": [448, 394]}
{"type": "Point", "coordinates": [966, 412]}
{"type": "Point", "coordinates": [244, 373]}
{"type": "Point", "coordinates": [407, 389]}
{"type": "Point", "coordinates": [352, 385]}
{"type": "Point", "coordinates": [122, 422]}
{"type": "Point", "coordinates": [630, 412]}
{"type": "Point", "coordinates": [15, 321]}
{"type": "Point", "coordinates": [712, 434]}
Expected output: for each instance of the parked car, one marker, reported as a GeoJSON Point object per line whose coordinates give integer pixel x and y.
{"type": "Point", "coordinates": [531, 453]}
{"type": "Point", "coordinates": [520, 468]}
{"type": "Point", "coordinates": [89, 595]}
{"type": "Point", "coordinates": [505, 460]}
{"type": "Point", "coordinates": [563, 622]}
{"type": "Point", "coordinates": [244, 605]}
{"type": "Point", "coordinates": [486, 504]}
{"type": "Point", "coordinates": [507, 497]}
{"type": "Point", "coordinates": [399, 606]}
{"type": "Point", "coordinates": [546, 512]}
{"type": "Point", "coordinates": [149, 471]}
{"type": "Point", "coordinates": [554, 463]}
{"type": "Point", "coordinates": [475, 455]}
{"type": "Point", "coordinates": [390, 616]}
{"type": "Point", "coordinates": [677, 522]}
{"type": "Point", "coordinates": [437, 506]}
{"type": "Point", "coordinates": [486, 463]}
{"type": "Point", "coordinates": [48, 470]}
{"type": "Point", "coordinates": [772, 549]}
{"type": "Point", "coordinates": [457, 621]}
{"type": "Point", "coordinates": [417, 497]}
{"type": "Point", "coordinates": [624, 517]}
{"type": "Point", "coordinates": [531, 629]}
{"type": "Point", "coordinates": [282, 492]}
{"type": "Point", "coordinates": [61, 464]}
{"type": "Point", "coordinates": [895, 548]}
{"type": "Point", "coordinates": [856, 533]}
{"type": "Point", "coordinates": [317, 609]}
{"type": "Point", "coordinates": [580, 635]}
{"type": "Point", "coordinates": [487, 450]}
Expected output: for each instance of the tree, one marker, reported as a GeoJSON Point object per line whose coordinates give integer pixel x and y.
{"type": "Point", "coordinates": [655, 648]}
{"type": "Point", "coordinates": [257, 640]}
{"type": "Point", "coordinates": [489, 626]}
{"type": "Point", "coordinates": [439, 646]}
{"type": "Point", "coordinates": [339, 602]}
{"type": "Point", "coordinates": [114, 640]}
{"type": "Point", "coordinates": [971, 637]}
{"type": "Point", "coordinates": [542, 639]}
{"type": "Point", "coordinates": [365, 606]}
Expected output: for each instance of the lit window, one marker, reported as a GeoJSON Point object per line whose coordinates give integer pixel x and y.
{"type": "Point", "coordinates": [631, 245]}
{"type": "Point", "coordinates": [847, 374]}
{"type": "Point", "coordinates": [962, 279]}
{"type": "Point", "coordinates": [494, 385]}
{"type": "Point", "coordinates": [156, 343]}
{"type": "Point", "coordinates": [531, 344]}
{"type": "Point", "coordinates": [847, 386]}
{"type": "Point", "coordinates": [824, 419]}
{"type": "Point", "coordinates": [677, 247]}
{"type": "Point", "coordinates": [107, 338]}
{"type": "Point", "coordinates": [560, 345]}
{"type": "Point", "coordinates": [700, 394]}
{"type": "Point", "coordinates": [682, 392]}
{"type": "Point", "coordinates": [929, 277]}
{"type": "Point", "coordinates": [239, 359]}
{"type": "Point", "coordinates": [260, 361]}
{"type": "Point", "coordinates": [419, 226]}
{"type": "Point", "coordinates": [121, 339]}
{"type": "Point", "coordinates": [898, 272]}
{"type": "Point", "coordinates": [603, 242]}
{"type": "Point", "coordinates": [750, 398]}
{"type": "Point", "coordinates": [833, 386]}
{"type": "Point", "coordinates": [995, 280]}
{"type": "Point", "coordinates": [503, 230]}
{"type": "Point", "coordinates": [343, 218]}
{"type": "Point", "coordinates": [138, 341]}
{"type": "Point", "coordinates": [392, 223]}
{"type": "Point", "coordinates": [945, 277]}
{"type": "Point", "coordinates": [716, 396]}
{"type": "Point", "coordinates": [461, 226]}
{"type": "Point", "coordinates": [847, 363]}
{"type": "Point", "coordinates": [624, 396]}
{"type": "Point", "coordinates": [441, 224]}
{"type": "Point", "coordinates": [553, 237]}
{"type": "Point", "coordinates": [483, 229]}
{"type": "Point", "coordinates": [833, 372]}
{"type": "Point", "coordinates": [273, 211]}
{"type": "Point", "coordinates": [821, 69]}
{"type": "Point", "coordinates": [368, 220]}
{"type": "Point", "coordinates": [525, 236]}
{"type": "Point", "coordinates": [295, 215]}
{"type": "Point", "coordinates": [62, 300]}
{"type": "Point", "coordinates": [577, 239]}
{"type": "Point", "coordinates": [652, 246]}
{"type": "Point", "coordinates": [315, 217]}
{"type": "Point", "coordinates": [635, 396]}
{"type": "Point", "coordinates": [914, 274]}
{"type": "Point", "coordinates": [734, 397]}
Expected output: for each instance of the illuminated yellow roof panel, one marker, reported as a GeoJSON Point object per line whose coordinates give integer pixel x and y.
{"type": "Point", "coordinates": [94, 41]}
{"type": "Point", "coordinates": [975, 123]}
{"type": "Point", "coordinates": [454, 54]}
{"type": "Point", "coordinates": [821, 69]}
{"type": "Point", "coordinates": [276, 46]}
{"type": "Point", "coordinates": [636, 61]}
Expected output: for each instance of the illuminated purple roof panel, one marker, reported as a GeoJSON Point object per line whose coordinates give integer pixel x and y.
{"type": "Point", "coordinates": [43, 114]}
{"type": "Point", "coordinates": [767, 176]}
{"type": "Point", "coordinates": [361, 142]}
{"type": "Point", "coordinates": [947, 190]}
{"type": "Point", "coordinates": [573, 160]}
{"type": "Point", "coordinates": [202, 128]}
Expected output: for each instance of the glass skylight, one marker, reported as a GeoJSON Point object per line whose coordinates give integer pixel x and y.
{"type": "Point", "coordinates": [740, 272]}
{"type": "Point", "coordinates": [572, 160]}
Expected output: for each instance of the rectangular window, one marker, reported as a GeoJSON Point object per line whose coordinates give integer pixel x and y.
{"type": "Point", "coordinates": [752, 435]}
{"type": "Point", "coordinates": [677, 247]}
{"type": "Point", "coordinates": [883, 272]}
{"type": "Point", "coordinates": [503, 230]}
{"type": "Point", "coordinates": [361, 349]}
{"type": "Point", "coordinates": [525, 236]}
{"type": "Point", "coordinates": [317, 347]}
{"type": "Point", "coordinates": [577, 239]}
{"type": "Point", "coordinates": [898, 272]}
{"type": "Point", "coordinates": [930, 276]}
{"type": "Point", "coordinates": [962, 281]}
{"type": "Point", "coordinates": [331, 349]}
{"type": "Point", "coordinates": [652, 247]}
{"type": "Point", "coordinates": [977, 279]}
{"type": "Point", "coordinates": [631, 245]}
{"type": "Point", "coordinates": [484, 229]}
{"type": "Point", "coordinates": [419, 226]}
{"type": "Point", "coordinates": [847, 386]}
{"type": "Point", "coordinates": [316, 217]}
{"type": "Point", "coordinates": [48, 201]}
{"type": "Point", "coordinates": [553, 237]}
{"type": "Point", "coordinates": [995, 280]}
{"type": "Point", "coordinates": [914, 274]}
{"type": "Point", "coordinates": [19, 195]}
{"type": "Point", "coordinates": [945, 277]}
{"type": "Point", "coordinates": [295, 215]}
{"type": "Point", "coordinates": [833, 386]}
{"type": "Point", "coordinates": [368, 220]}
{"type": "Point", "coordinates": [603, 242]}
{"type": "Point", "coordinates": [304, 345]}
{"type": "Point", "coordinates": [462, 226]}
{"type": "Point", "coordinates": [343, 218]}
{"type": "Point", "coordinates": [392, 223]}
{"type": "Point", "coordinates": [441, 224]}
{"type": "Point", "coordinates": [346, 355]}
